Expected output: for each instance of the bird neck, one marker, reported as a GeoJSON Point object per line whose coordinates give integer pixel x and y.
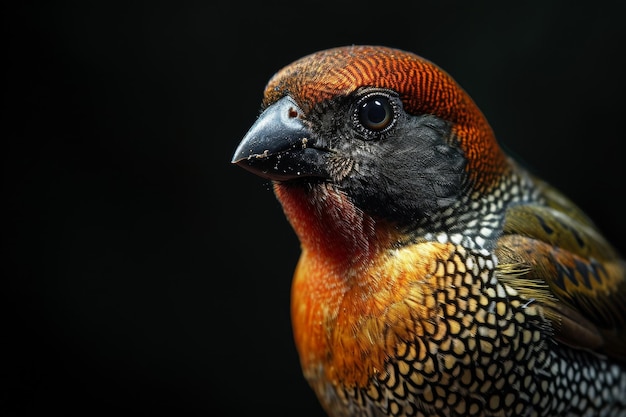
{"type": "Point", "coordinates": [487, 162]}
{"type": "Point", "coordinates": [327, 222]}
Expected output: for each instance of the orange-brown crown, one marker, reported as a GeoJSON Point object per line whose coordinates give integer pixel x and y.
{"type": "Point", "coordinates": [424, 88]}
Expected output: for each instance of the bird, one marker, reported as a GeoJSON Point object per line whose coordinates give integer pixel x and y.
{"type": "Point", "coordinates": [437, 275]}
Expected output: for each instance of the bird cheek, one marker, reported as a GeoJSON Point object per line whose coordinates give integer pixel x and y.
{"type": "Point", "coordinates": [340, 168]}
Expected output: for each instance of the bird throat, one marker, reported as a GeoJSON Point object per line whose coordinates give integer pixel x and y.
{"type": "Point", "coordinates": [327, 222]}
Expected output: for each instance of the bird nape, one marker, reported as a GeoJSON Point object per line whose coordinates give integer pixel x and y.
{"type": "Point", "coordinates": [437, 276]}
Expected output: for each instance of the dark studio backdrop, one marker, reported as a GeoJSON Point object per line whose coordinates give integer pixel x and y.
{"type": "Point", "coordinates": [143, 274]}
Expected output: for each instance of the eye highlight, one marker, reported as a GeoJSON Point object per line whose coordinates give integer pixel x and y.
{"type": "Point", "coordinates": [375, 113]}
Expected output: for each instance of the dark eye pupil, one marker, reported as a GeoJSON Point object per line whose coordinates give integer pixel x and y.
{"type": "Point", "coordinates": [376, 113]}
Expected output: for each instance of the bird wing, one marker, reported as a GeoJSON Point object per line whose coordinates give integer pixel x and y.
{"type": "Point", "coordinates": [553, 254]}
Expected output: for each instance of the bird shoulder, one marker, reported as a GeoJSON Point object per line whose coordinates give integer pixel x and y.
{"type": "Point", "coordinates": [553, 254]}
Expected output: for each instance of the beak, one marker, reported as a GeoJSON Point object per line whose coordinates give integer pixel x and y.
{"type": "Point", "coordinates": [279, 146]}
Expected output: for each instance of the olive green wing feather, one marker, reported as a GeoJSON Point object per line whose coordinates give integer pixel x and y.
{"type": "Point", "coordinates": [555, 255]}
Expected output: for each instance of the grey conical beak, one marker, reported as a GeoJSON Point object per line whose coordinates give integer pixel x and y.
{"type": "Point", "coordinates": [279, 146]}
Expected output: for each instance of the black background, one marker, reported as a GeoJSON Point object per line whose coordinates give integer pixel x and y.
{"type": "Point", "coordinates": [145, 275]}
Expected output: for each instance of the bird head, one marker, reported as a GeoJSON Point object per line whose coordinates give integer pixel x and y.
{"type": "Point", "coordinates": [389, 131]}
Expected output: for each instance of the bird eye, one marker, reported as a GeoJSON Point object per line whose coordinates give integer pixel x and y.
{"type": "Point", "coordinates": [376, 113]}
